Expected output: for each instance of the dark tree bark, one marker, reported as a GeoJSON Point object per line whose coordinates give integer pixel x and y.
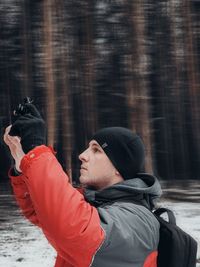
{"type": "Point", "coordinates": [193, 83]}
{"type": "Point", "coordinates": [138, 98]}
{"type": "Point", "coordinates": [48, 61]}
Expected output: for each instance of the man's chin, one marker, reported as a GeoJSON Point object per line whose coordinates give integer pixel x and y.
{"type": "Point", "coordinates": [83, 180]}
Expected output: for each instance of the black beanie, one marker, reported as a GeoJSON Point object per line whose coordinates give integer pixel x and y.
{"type": "Point", "coordinates": [124, 148]}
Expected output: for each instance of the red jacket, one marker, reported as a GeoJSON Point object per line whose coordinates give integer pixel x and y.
{"type": "Point", "coordinates": [74, 228]}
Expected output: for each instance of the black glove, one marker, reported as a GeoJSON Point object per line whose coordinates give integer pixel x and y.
{"type": "Point", "coordinates": [30, 127]}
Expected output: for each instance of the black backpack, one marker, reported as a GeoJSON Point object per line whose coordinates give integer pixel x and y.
{"type": "Point", "coordinates": [176, 248]}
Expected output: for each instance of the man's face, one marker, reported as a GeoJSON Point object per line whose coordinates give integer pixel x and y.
{"type": "Point", "coordinates": [96, 169]}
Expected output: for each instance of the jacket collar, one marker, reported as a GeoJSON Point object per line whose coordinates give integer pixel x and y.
{"type": "Point", "coordinates": [143, 190]}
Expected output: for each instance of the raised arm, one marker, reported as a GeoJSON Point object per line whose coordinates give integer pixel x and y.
{"type": "Point", "coordinates": [62, 212]}
{"type": "Point", "coordinates": [19, 187]}
{"type": "Point", "coordinates": [74, 225]}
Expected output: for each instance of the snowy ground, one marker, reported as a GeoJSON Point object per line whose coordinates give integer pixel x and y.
{"type": "Point", "coordinates": [22, 244]}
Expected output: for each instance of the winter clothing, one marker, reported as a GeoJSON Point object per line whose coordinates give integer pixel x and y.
{"type": "Point", "coordinates": [131, 229]}
{"type": "Point", "coordinates": [124, 148]}
{"type": "Point", "coordinates": [30, 127]}
{"type": "Point", "coordinates": [108, 228]}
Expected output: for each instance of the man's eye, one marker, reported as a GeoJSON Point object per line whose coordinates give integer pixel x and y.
{"type": "Point", "coordinates": [96, 150]}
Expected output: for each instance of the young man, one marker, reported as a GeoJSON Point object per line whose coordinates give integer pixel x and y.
{"type": "Point", "coordinates": [110, 224]}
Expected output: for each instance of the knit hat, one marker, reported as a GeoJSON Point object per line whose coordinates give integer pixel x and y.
{"type": "Point", "coordinates": [124, 148]}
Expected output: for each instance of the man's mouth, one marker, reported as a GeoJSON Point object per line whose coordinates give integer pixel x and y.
{"type": "Point", "coordinates": [83, 168]}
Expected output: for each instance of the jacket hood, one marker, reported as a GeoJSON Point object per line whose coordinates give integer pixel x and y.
{"type": "Point", "coordinates": [145, 189]}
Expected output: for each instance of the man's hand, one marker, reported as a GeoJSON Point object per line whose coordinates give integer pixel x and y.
{"type": "Point", "coordinates": [30, 127]}
{"type": "Point", "coordinates": [13, 142]}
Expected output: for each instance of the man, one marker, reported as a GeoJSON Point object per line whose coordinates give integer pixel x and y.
{"type": "Point", "coordinates": [110, 224]}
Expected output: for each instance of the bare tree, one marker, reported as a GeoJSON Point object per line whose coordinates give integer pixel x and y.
{"type": "Point", "coordinates": [137, 86]}
{"type": "Point", "coordinates": [48, 61]}
{"type": "Point", "coordinates": [192, 76]}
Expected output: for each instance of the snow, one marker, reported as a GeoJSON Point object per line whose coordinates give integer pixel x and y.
{"type": "Point", "coordinates": [28, 249]}
{"type": "Point", "coordinates": [23, 244]}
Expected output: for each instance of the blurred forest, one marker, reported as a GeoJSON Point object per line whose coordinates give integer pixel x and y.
{"type": "Point", "coordinates": [89, 64]}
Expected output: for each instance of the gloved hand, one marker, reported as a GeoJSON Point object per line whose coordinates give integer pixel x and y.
{"type": "Point", "coordinates": [30, 127]}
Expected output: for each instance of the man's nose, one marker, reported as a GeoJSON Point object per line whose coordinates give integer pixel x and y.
{"type": "Point", "coordinates": [84, 156]}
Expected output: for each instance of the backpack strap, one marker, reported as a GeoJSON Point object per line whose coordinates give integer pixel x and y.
{"type": "Point", "coordinates": [171, 217]}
